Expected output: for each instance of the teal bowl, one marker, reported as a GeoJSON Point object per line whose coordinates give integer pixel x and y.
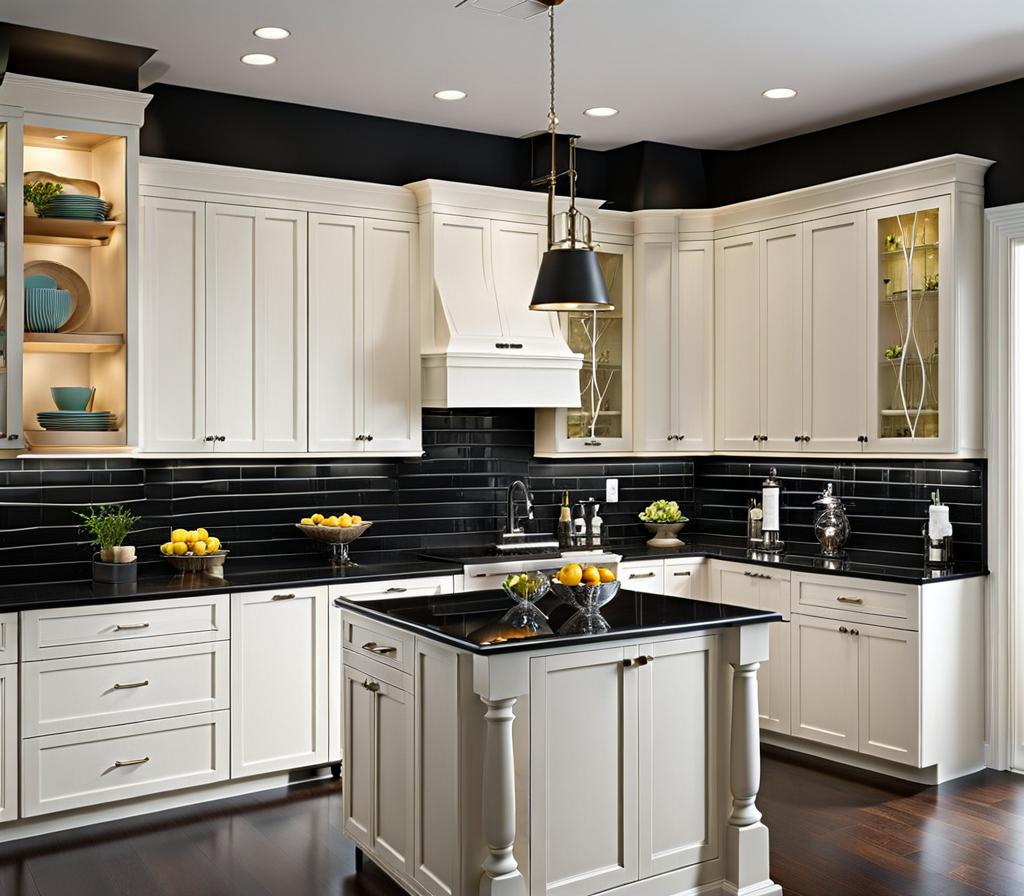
{"type": "Point", "coordinates": [72, 398]}
{"type": "Point", "coordinates": [47, 310]}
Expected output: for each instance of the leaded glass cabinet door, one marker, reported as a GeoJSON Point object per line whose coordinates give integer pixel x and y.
{"type": "Point", "coordinates": [603, 422]}
{"type": "Point", "coordinates": [910, 260]}
{"type": "Point", "coordinates": [11, 304]}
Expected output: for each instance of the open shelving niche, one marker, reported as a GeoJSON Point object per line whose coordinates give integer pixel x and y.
{"type": "Point", "coordinates": [95, 354]}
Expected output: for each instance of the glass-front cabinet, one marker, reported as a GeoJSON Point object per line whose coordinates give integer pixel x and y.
{"type": "Point", "coordinates": [603, 421]}
{"type": "Point", "coordinates": [10, 285]}
{"type": "Point", "coordinates": [914, 294]}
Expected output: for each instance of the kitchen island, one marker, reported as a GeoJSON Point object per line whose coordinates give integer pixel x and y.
{"type": "Point", "coordinates": [493, 750]}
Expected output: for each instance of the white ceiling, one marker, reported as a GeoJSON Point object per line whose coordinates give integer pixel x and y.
{"type": "Point", "coordinates": [688, 72]}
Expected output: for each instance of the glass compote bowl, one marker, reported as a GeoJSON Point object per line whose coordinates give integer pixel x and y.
{"type": "Point", "coordinates": [526, 588]}
{"type": "Point", "coordinates": [588, 600]}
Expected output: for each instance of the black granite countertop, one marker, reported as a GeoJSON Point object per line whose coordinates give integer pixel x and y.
{"type": "Point", "coordinates": [241, 575]}
{"type": "Point", "coordinates": [486, 622]}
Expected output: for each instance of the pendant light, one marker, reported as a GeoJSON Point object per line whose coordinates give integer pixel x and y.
{"type": "Point", "coordinates": [570, 277]}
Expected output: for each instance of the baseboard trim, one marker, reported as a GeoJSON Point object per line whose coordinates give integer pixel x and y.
{"type": "Point", "coordinates": [926, 776]}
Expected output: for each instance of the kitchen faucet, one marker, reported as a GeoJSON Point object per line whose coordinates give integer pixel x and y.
{"type": "Point", "coordinates": [513, 527]}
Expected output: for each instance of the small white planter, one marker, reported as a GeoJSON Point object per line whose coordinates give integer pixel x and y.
{"type": "Point", "coordinates": [664, 535]}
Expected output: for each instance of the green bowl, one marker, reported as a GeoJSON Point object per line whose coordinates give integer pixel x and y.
{"type": "Point", "coordinates": [72, 398]}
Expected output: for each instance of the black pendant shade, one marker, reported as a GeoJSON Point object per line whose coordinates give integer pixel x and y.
{"type": "Point", "coordinates": [571, 280]}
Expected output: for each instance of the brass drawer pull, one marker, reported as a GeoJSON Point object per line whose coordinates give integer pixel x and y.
{"type": "Point", "coordinates": [628, 663]}
{"type": "Point", "coordinates": [396, 590]}
{"type": "Point", "coordinates": [644, 660]}
{"type": "Point", "coordinates": [372, 686]}
{"type": "Point", "coordinates": [122, 763]}
{"type": "Point", "coordinates": [682, 573]}
{"type": "Point", "coordinates": [850, 600]}
{"type": "Point", "coordinates": [642, 575]}
{"type": "Point", "coordinates": [131, 684]}
{"type": "Point", "coordinates": [373, 647]}
{"type": "Point", "coordinates": [283, 597]}
{"type": "Point", "coordinates": [130, 626]}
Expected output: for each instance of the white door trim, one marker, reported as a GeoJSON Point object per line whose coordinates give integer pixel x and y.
{"type": "Point", "coordinates": [1004, 280]}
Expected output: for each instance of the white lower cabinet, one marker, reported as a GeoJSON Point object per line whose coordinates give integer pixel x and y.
{"type": "Point", "coordinates": [648, 578]}
{"type": "Point", "coordinates": [686, 577]}
{"type": "Point", "coordinates": [89, 768]}
{"type": "Point", "coordinates": [379, 737]}
{"type": "Point", "coordinates": [279, 680]}
{"type": "Point", "coordinates": [761, 588]}
{"type": "Point", "coordinates": [647, 729]}
{"type": "Point", "coordinates": [856, 686]}
{"type": "Point", "coordinates": [8, 741]}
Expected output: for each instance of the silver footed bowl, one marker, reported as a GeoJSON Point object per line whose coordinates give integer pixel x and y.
{"type": "Point", "coordinates": [587, 598]}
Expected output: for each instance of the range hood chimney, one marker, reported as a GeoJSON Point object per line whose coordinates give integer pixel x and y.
{"type": "Point", "coordinates": [481, 249]}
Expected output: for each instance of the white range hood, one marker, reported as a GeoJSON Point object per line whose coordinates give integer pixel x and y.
{"type": "Point", "coordinates": [482, 346]}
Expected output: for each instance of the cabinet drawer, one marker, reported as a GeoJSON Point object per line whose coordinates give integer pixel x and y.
{"type": "Point", "coordinates": [646, 577]}
{"type": "Point", "coordinates": [685, 578]}
{"type": "Point", "coordinates": [372, 669]}
{"type": "Point", "coordinates": [76, 693]}
{"type": "Point", "coordinates": [421, 587]}
{"type": "Point", "coordinates": [109, 628]}
{"type": "Point", "coordinates": [79, 769]}
{"type": "Point", "coordinates": [364, 637]}
{"type": "Point", "coordinates": [887, 604]}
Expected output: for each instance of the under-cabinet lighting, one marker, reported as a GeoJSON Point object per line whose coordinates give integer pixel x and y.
{"type": "Point", "coordinates": [61, 137]}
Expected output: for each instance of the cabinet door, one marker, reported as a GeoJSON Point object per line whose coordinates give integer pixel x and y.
{"type": "Point", "coordinates": [462, 273]}
{"type": "Point", "coordinates": [835, 321]}
{"type": "Point", "coordinates": [657, 345]}
{"type": "Point", "coordinates": [234, 340]}
{"type": "Point", "coordinates": [825, 682]}
{"type": "Point", "coordinates": [393, 740]}
{"type": "Point", "coordinates": [678, 761]}
{"type": "Point", "coordinates": [279, 681]}
{"type": "Point", "coordinates": [8, 742]}
{"type": "Point", "coordinates": [335, 328]}
{"type": "Point", "coordinates": [283, 367]}
{"type": "Point", "coordinates": [357, 795]}
{"type": "Point", "coordinates": [648, 578]}
{"type": "Point", "coordinates": [775, 677]}
{"type": "Point", "coordinates": [583, 772]}
{"type": "Point", "coordinates": [516, 253]}
{"type": "Point", "coordinates": [391, 338]}
{"type": "Point", "coordinates": [738, 345]}
{"type": "Point", "coordinates": [174, 325]}
{"type": "Point", "coordinates": [695, 340]}
{"type": "Point", "coordinates": [12, 314]}
{"type": "Point", "coordinates": [686, 578]}
{"type": "Point", "coordinates": [890, 715]}
{"type": "Point", "coordinates": [782, 339]}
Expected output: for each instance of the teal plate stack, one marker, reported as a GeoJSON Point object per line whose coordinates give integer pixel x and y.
{"type": "Point", "coordinates": [47, 308]}
{"type": "Point", "coordinates": [77, 421]}
{"type": "Point", "coordinates": [82, 208]}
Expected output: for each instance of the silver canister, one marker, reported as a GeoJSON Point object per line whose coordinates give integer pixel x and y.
{"type": "Point", "coordinates": [832, 527]}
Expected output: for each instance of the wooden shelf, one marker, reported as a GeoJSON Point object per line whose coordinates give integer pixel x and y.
{"type": "Point", "coordinates": [81, 343]}
{"type": "Point", "coordinates": [41, 438]}
{"type": "Point", "coordinates": [68, 232]}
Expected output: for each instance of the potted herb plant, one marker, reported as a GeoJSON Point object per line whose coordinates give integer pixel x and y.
{"type": "Point", "coordinates": [107, 526]}
{"type": "Point", "coordinates": [40, 195]}
{"type": "Point", "coordinates": [664, 520]}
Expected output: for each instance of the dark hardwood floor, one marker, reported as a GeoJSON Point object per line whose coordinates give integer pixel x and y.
{"type": "Point", "coordinates": [834, 832]}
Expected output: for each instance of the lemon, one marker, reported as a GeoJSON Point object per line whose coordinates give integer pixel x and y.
{"type": "Point", "coordinates": [202, 534]}
{"type": "Point", "coordinates": [192, 537]}
{"type": "Point", "coordinates": [178, 535]}
{"type": "Point", "coordinates": [317, 518]}
{"type": "Point", "coordinates": [591, 576]}
{"type": "Point", "coordinates": [356, 519]}
{"type": "Point", "coordinates": [180, 548]}
{"type": "Point", "coordinates": [199, 548]}
{"type": "Point", "coordinates": [306, 521]}
{"type": "Point", "coordinates": [167, 548]}
{"type": "Point", "coordinates": [570, 575]}
{"type": "Point", "coordinates": [606, 574]}
{"type": "Point", "coordinates": [344, 521]}
{"type": "Point", "coordinates": [331, 522]}
{"type": "Point", "coordinates": [212, 545]}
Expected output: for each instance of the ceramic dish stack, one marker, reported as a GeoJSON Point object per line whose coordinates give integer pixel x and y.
{"type": "Point", "coordinates": [82, 208]}
{"type": "Point", "coordinates": [77, 421]}
{"type": "Point", "coordinates": [47, 308]}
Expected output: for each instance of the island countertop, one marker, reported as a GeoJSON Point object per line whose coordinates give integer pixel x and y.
{"type": "Point", "coordinates": [486, 622]}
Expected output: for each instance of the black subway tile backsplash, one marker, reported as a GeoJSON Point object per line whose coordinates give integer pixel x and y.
{"type": "Point", "coordinates": [455, 494]}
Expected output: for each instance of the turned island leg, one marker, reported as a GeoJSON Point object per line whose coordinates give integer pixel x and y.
{"type": "Point", "coordinates": [498, 682]}
{"type": "Point", "coordinates": [747, 837]}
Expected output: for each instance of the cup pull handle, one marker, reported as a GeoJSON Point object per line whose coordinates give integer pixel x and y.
{"type": "Point", "coordinates": [373, 647]}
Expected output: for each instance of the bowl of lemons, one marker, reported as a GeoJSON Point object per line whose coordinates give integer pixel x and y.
{"type": "Point", "coordinates": [335, 531]}
{"type": "Point", "coordinates": [195, 550]}
{"type": "Point", "coordinates": [587, 588]}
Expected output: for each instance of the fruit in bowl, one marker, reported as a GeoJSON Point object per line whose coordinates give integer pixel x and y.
{"type": "Point", "coordinates": [573, 574]}
{"type": "Point", "coordinates": [190, 543]}
{"type": "Point", "coordinates": [340, 521]}
{"type": "Point", "coordinates": [336, 531]}
{"type": "Point", "coordinates": [526, 587]}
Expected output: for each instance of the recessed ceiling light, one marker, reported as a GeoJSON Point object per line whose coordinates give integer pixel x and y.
{"type": "Point", "coordinates": [601, 112]}
{"type": "Point", "coordinates": [272, 33]}
{"type": "Point", "coordinates": [259, 59]}
{"type": "Point", "coordinates": [450, 95]}
{"type": "Point", "coordinates": [779, 93]}
{"type": "Point", "coordinates": [61, 137]}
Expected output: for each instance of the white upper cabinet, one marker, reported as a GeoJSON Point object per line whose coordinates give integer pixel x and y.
{"type": "Point", "coordinates": [516, 253]}
{"type": "Point", "coordinates": [174, 325]}
{"type": "Point", "coordinates": [674, 326]}
{"type": "Point", "coordinates": [835, 322]}
{"type": "Point", "coordinates": [737, 343]}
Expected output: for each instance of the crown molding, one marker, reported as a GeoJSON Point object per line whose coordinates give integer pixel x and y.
{"type": "Point", "coordinates": [85, 101]}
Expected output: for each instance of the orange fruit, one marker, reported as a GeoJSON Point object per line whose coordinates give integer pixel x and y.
{"type": "Point", "coordinates": [591, 576]}
{"type": "Point", "coordinates": [570, 575]}
{"type": "Point", "coordinates": [606, 574]}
